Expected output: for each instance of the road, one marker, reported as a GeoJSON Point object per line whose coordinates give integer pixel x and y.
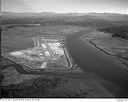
{"type": "Point", "coordinates": [89, 58]}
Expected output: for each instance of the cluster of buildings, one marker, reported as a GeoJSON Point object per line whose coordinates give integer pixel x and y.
{"type": "Point", "coordinates": [44, 53]}
{"type": "Point", "coordinates": [51, 48]}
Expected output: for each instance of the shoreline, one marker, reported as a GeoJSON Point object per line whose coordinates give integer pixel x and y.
{"type": "Point", "coordinates": [105, 52]}
{"type": "Point", "coordinates": [89, 58]}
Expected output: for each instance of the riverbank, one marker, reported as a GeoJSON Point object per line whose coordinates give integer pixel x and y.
{"type": "Point", "coordinates": [89, 58]}
{"type": "Point", "coordinates": [115, 47]}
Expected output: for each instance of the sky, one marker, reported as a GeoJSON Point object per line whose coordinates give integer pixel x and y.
{"type": "Point", "coordinates": [65, 6]}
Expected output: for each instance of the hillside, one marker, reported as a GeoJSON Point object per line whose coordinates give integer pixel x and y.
{"type": "Point", "coordinates": [81, 19]}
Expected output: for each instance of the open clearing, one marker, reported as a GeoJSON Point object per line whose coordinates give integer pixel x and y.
{"type": "Point", "coordinates": [47, 54]}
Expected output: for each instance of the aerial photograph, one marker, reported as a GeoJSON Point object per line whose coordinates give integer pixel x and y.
{"type": "Point", "coordinates": [64, 49]}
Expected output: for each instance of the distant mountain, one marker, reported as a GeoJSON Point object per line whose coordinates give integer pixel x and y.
{"type": "Point", "coordinates": [25, 15]}
{"type": "Point", "coordinates": [106, 16]}
{"type": "Point", "coordinates": [81, 19]}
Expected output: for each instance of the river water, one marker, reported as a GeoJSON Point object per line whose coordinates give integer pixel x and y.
{"type": "Point", "coordinates": [92, 59]}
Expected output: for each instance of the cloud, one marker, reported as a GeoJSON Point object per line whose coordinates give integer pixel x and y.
{"type": "Point", "coordinates": [65, 5]}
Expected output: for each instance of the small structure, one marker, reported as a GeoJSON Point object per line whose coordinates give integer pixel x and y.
{"type": "Point", "coordinates": [43, 65]}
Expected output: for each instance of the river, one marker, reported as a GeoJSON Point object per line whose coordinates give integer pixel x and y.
{"type": "Point", "coordinates": [89, 58]}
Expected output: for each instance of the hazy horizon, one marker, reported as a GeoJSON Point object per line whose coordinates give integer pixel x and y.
{"type": "Point", "coordinates": [65, 6]}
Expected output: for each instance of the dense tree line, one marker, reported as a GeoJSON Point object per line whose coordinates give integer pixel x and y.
{"type": "Point", "coordinates": [117, 31]}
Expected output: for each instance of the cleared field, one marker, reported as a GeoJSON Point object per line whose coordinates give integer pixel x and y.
{"type": "Point", "coordinates": [45, 54]}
